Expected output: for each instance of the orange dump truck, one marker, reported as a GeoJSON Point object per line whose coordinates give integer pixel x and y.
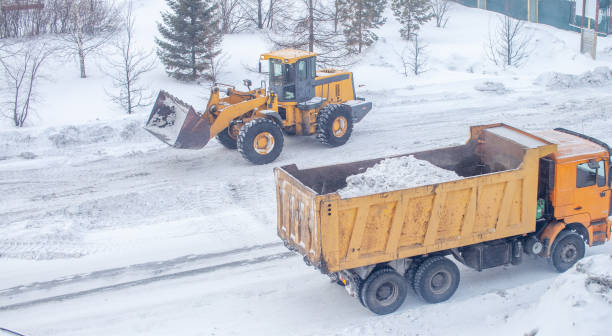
{"type": "Point", "coordinates": [543, 193]}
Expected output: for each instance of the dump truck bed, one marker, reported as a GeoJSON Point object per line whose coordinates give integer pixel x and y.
{"type": "Point", "coordinates": [495, 197]}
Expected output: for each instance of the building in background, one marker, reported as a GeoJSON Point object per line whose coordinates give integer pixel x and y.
{"type": "Point", "coordinates": [564, 14]}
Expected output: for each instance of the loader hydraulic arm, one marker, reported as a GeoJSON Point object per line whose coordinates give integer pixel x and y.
{"type": "Point", "coordinates": [221, 118]}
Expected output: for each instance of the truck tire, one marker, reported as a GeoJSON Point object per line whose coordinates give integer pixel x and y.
{"type": "Point", "coordinates": [226, 139]}
{"type": "Point", "coordinates": [384, 291]}
{"type": "Point", "coordinates": [334, 125]}
{"type": "Point", "coordinates": [412, 269]}
{"type": "Point", "coordinates": [569, 248]}
{"type": "Point", "coordinates": [260, 141]}
{"type": "Point", "coordinates": [436, 280]}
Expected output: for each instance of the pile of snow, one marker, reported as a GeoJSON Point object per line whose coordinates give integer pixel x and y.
{"type": "Point", "coordinates": [578, 302]}
{"type": "Point", "coordinates": [493, 87]}
{"type": "Point", "coordinates": [556, 80]}
{"type": "Point", "coordinates": [395, 174]}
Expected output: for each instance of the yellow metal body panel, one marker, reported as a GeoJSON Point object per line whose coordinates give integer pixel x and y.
{"type": "Point", "coordinates": [288, 55]}
{"type": "Point", "coordinates": [366, 230]}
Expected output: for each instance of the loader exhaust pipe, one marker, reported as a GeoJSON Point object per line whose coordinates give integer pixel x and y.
{"type": "Point", "coordinates": [177, 124]}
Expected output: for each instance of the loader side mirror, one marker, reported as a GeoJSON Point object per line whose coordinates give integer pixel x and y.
{"type": "Point", "coordinates": [593, 164]}
{"type": "Point", "coordinates": [247, 83]}
{"type": "Point", "coordinates": [259, 69]}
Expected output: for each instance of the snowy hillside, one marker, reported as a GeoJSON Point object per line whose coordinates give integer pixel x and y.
{"type": "Point", "coordinates": [104, 230]}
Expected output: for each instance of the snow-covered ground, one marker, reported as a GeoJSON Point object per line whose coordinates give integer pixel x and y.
{"type": "Point", "coordinates": [107, 231]}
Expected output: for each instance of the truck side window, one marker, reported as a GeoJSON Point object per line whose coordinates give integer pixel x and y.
{"type": "Point", "coordinates": [585, 176]}
{"type": "Point", "coordinates": [601, 174]}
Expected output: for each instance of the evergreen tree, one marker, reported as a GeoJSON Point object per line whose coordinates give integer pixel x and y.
{"type": "Point", "coordinates": [411, 14]}
{"type": "Point", "coordinates": [190, 38]}
{"type": "Point", "coordinates": [359, 18]}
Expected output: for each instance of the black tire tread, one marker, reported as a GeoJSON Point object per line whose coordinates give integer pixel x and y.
{"type": "Point", "coordinates": [325, 117]}
{"type": "Point", "coordinates": [422, 270]}
{"type": "Point", "coordinates": [226, 140]}
{"type": "Point", "coordinates": [563, 235]}
{"type": "Point", "coordinates": [375, 275]}
{"type": "Point", "coordinates": [242, 145]}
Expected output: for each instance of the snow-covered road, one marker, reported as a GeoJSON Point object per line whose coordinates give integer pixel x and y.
{"type": "Point", "coordinates": [105, 230]}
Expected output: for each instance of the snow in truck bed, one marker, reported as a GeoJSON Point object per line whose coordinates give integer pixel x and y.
{"type": "Point", "coordinates": [395, 174]}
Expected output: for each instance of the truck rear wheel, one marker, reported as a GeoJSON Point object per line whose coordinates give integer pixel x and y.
{"type": "Point", "coordinates": [260, 141]}
{"type": "Point", "coordinates": [568, 249]}
{"type": "Point", "coordinates": [384, 291]}
{"type": "Point", "coordinates": [227, 139]}
{"type": "Point", "coordinates": [436, 280]}
{"type": "Point", "coordinates": [334, 125]}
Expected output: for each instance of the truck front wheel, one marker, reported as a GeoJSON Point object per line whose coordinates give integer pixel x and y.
{"type": "Point", "coordinates": [567, 251]}
{"type": "Point", "coordinates": [260, 141]}
{"type": "Point", "coordinates": [436, 280]}
{"type": "Point", "coordinates": [384, 291]}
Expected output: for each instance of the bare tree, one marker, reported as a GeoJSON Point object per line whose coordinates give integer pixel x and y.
{"type": "Point", "coordinates": [309, 25]}
{"type": "Point", "coordinates": [508, 44]}
{"type": "Point", "coordinates": [217, 67]}
{"type": "Point", "coordinates": [127, 69]}
{"type": "Point", "coordinates": [21, 69]}
{"type": "Point", "coordinates": [92, 24]}
{"type": "Point", "coordinates": [414, 57]}
{"type": "Point", "coordinates": [439, 10]}
{"type": "Point", "coordinates": [232, 19]}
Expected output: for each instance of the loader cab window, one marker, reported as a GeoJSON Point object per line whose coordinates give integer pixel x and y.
{"type": "Point", "coordinates": [282, 79]}
{"type": "Point", "coordinates": [301, 70]}
{"type": "Point", "coordinates": [590, 174]}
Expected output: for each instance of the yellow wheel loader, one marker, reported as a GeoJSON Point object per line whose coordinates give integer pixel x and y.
{"type": "Point", "coordinates": [300, 101]}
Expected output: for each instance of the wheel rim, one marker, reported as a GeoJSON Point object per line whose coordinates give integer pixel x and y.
{"type": "Point", "coordinates": [339, 126]}
{"type": "Point", "coordinates": [440, 282]}
{"type": "Point", "coordinates": [263, 143]}
{"type": "Point", "coordinates": [233, 131]}
{"type": "Point", "coordinates": [569, 253]}
{"type": "Point", "coordinates": [387, 293]}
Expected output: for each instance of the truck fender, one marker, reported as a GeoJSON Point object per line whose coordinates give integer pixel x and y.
{"type": "Point", "coordinates": [549, 235]}
{"type": "Point", "coordinates": [273, 115]}
{"type": "Point", "coordinates": [554, 231]}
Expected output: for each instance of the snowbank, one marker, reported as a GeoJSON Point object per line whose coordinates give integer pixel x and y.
{"type": "Point", "coordinates": [556, 80]}
{"type": "Point", "coordinates": [578, 302]}
{"type": "Point", "coordinates": [395, 174]}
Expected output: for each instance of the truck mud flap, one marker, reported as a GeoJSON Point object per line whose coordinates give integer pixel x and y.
{"type": "Point", "coordinates": [177, 124]}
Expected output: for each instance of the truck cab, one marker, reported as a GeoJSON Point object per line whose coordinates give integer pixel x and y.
{"type": "Point", "coordinates": [575, 188]}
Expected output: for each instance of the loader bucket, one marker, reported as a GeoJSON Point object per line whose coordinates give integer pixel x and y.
{"type": "Point", "coordinates": [177, 124]}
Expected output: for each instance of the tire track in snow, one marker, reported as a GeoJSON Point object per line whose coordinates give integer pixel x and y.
{"type": "Point", "coordinates": [146, 281]}
{"type": "Point", "coordinates": [153, 266]}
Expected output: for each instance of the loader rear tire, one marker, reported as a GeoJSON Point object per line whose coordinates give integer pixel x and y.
{"type": "Point", "coordinates": [334, 125]}
{"type": "Point", "coordinates": [436, 280]}
{"type": "Point", "coordinates": [384, 291]}
{"type": "Point", "coordinates": [226, 139]}
{"type": "Point", "coordinates": [260, 141]}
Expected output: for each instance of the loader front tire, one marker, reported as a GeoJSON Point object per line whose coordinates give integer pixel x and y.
{"type": "Point", "coordinates": [384, 291]}
{"type": "Point", "coordinates": [260, 141]}
{"type": "Point", "coordinates": [436, 279]}
{"type": "Point", "coordinates": [226, 139]}
{"type": "Point", "coordinates": [334, 125]}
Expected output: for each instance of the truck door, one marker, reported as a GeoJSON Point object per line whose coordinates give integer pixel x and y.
{"type": "Point", "coordinates": [592, 193]}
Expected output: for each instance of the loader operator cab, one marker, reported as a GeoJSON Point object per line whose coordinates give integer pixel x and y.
{"type": "Point", "coordinates": [292, 74]}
